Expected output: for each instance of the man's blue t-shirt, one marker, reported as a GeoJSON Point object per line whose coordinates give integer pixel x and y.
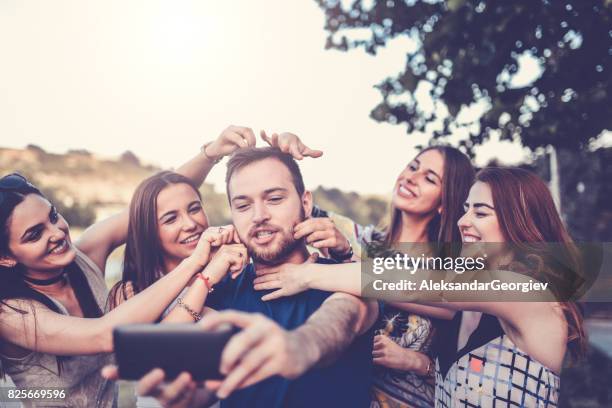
{"type": "Point", "coordinates": [345, 383]}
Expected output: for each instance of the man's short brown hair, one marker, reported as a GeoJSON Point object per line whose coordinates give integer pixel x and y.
{"type": "Point", "coordinates": [244, 157]}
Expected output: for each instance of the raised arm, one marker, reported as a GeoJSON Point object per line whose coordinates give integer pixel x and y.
{"type": "Point", "coordinates": [231, 139]}
{"type": "Point", "coordinates": [100, 239]}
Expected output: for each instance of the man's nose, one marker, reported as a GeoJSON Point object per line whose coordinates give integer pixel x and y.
{"type": "Point", "coordinates": [260, 213]}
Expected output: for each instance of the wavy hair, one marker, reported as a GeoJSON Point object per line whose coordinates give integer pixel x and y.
{"type": "Point", "coordinates": [531, 223]}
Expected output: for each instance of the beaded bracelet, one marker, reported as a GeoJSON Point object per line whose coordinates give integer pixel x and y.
{"type": "Point", "coordinates": [206, 281]}
{"type": "Point", "coordinates": [196, 316]}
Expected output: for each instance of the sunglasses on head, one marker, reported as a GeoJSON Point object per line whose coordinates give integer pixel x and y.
{"type": "Point", "coordinates": [13, 181]}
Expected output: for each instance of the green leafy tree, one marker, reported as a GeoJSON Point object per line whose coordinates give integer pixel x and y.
{"type": "Point", "coordinates": [467, 51]}
{"type": "Point", "coordinates": [466, 54]}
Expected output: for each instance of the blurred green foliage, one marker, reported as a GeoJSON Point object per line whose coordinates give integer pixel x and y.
{"type": "Point", "coordinates": [468, 51]}
{"type": "Point", "coordinates": [586, 384]}
{"type": "Point", "coordinates": [362, 209]}
{"type": "Point", "coordinates": [586, 193]}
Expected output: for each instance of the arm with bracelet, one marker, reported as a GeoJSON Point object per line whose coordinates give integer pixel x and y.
{"type": "Point", "coordinates": [190, 305]}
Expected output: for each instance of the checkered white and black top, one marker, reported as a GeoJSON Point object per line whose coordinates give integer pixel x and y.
{"type": "Point", "coordinates": [493, 372]}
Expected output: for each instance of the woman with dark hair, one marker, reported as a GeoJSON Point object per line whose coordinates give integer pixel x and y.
{"type": "Point", "coordinates": [427, 202]}
{"type": "Point", "coordinates": [53, 331]}
{"type": "Point", "coordinates": [505, 362]}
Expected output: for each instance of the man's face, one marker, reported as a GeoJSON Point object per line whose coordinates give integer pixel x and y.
{"type": "Point", "coordinates": [265, 209]}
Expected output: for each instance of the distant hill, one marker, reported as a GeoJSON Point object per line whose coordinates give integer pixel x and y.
{"type": "Point", "coordinates": [86, 187]}
{"type": "Point", "coordinates": [77, 176]}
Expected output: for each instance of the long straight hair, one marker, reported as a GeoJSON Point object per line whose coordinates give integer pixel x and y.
{"type": "Point", "coordinates": [530, 222]}
{"type": "Point", "coordinates": [143, 260]}
{"type": "Point", "coordinates": [456, 181]}
{"type": "Point", "coordinates": [12, 282]}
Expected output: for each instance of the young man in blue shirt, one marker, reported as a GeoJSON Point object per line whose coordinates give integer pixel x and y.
{"type": "Point", "coordinates": [311, 349]}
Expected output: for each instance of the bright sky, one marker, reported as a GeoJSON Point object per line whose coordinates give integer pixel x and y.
{"type": "Point", "coordinates": [161, 78]}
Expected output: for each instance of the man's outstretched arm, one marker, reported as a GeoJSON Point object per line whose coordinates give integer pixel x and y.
{"type": "Point", "coordinates": [332, 328]}
{"type": "Point", "coordinates": [263, 348]}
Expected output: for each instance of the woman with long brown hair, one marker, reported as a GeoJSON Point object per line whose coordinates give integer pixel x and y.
{"type": "Point", "coordinates": [505, 361]}
{"type": "Point", "coordinates": [167, 219]}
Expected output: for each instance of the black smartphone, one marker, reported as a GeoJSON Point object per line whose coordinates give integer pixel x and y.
{"type": "Point", "coordinates": [175, 348]}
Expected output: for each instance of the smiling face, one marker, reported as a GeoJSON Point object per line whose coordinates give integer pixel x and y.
{"type": "Point", "coordinates": [180, 221]}
{"type": "Point", "coordinates": [480, 222]}
{"type": "Point", "coordinates": [418, 189]}
{"type": "Point", "coordinates": [265, 209]}
{"type": "Point", "coordinates": [39, 237]}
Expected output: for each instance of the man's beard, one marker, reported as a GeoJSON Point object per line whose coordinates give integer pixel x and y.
{"type": "Point", "coordinates": [286, 247]}
{"type": "Point", "coordinates": [278, 255]}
